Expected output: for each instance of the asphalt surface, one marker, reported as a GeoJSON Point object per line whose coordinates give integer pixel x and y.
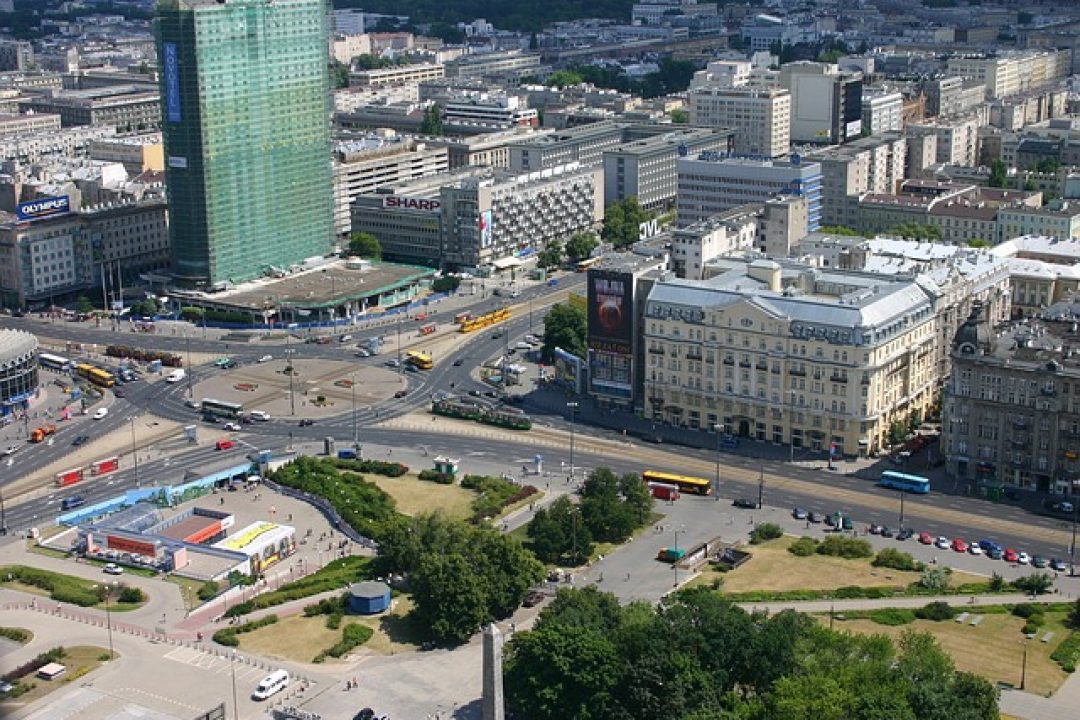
{"type": "Point", "coordinates": [784, 485]}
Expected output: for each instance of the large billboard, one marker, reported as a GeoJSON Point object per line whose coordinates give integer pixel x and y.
{"type": "Point", "coordinates": [611, 313]}
{"type": "Point", "coordinates": [172, 82]}
{"type": "Point", "coordinates": [43, 208]}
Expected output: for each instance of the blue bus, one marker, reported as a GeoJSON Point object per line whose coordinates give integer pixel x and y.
{"type": "Point", "coordinates": [905, 482]}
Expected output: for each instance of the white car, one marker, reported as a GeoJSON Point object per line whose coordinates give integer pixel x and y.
{"type": "Point", "coordinates": [974, 549]}
{"type": "Point", "coordinates": [113, 569]}
{"type": "Point", "coordinates": [100, 413]}
{"type": "Point", "coordinates": [266, 358]}
{"type": "Point", "coordinates": [1023, 558]}
{"type": "Point", "coordinates": [234, 427]}
{"type": "Point", "coordinates": [11, 449]}
{"type": "Point", "coordinates": [942, 543]}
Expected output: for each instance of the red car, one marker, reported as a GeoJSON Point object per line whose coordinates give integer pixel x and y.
{"type": "Point", "coordinates": [959, 545]}
{"type": "Point", "coordinates": [225, 444]}
{"type": "Point", "coordinates": [1011, 555]}
{"type": "Point", "coordinates": [926, 538]}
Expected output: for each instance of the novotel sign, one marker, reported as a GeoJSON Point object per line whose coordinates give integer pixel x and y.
{"type": "Point", "coordinates": [43, 208]}
{"type": "Point", "coordinates": [407, 203]}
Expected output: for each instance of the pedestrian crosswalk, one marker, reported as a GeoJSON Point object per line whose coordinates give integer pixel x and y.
{"type": "Point", "coordinates": [245, 669]}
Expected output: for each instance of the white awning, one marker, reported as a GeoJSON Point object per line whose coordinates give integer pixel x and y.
{"type": "Point", "coordinates": [506, 262]}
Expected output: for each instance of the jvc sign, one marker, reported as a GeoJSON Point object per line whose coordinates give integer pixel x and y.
{"type": "Point", "coordinates": [407, 203]}
{"type": "Point", "coordinates": [43, 208]}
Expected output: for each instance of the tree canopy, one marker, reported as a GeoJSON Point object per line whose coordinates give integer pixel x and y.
{"type": "Point", "coordinates": [565, 326]}
{"type": "Point", "coordinates": [365, 245]}
{"type": "Point", "coordinates": [527, 15]}
{"type": "Point", "coordinates": [551, 256]}
{"type": "Point", "coordinates": [622, 222]}
{"type": "Point", "coordinates": [432, 123]}
{"type": "Point", "coordinates": [580, 246]}
{"type": "Point", "coordinates": [697, 656]}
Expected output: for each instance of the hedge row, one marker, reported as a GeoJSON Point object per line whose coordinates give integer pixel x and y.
{"type": "Point", "coordinates": [15, 634]}
{"type": "Point", "coordinates": [1067, 654]}
{"type": "Point", "coordinates": [375, 467]}
{"type": "Point", "coordinates": [352, 636]}
{"type": "Point", "coordinates": [336, 574]}
{"type": "Point", "coordinates": [61, 588]}
{"type": "Point", "coordinates": [437, 477]}
{"type": "Point", "coordinates": [229, 636]}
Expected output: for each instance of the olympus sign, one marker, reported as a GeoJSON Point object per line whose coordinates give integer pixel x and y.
{"type": "Point", "coordinates": [408, 203]}
{"type": "Point", "coordinates": [43, 208]}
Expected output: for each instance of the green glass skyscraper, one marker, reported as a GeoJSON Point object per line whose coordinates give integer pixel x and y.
{"type": "Point", "coordinates": [246, 122]}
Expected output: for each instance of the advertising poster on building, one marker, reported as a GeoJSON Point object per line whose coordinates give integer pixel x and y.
{"type": "Point", "coordinates": [486, 237]}
{"type": "Point", "coordinates": [610, 314]}
{"type": "Point", "coordinates": [172, 82]}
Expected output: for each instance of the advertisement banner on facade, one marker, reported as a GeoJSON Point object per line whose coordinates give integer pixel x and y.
{"type": "Point", "coordinates": [486, 236]}
{"type": "Point", "coordinates": [43, 208]}
{"type": "Point", "coordinates": [610, 315]}
{"type": "Point", "coordinates": [172, 82]}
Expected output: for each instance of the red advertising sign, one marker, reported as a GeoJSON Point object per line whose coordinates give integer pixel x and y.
{"type": "Point", "coordinates": [106, 466]}
{"type": "Point", "coordinates": [69, 477]}
{"type": "Point", "coordinates": [139, 547]}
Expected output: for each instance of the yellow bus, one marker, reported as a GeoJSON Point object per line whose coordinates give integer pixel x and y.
{"type": "Point", "coordinates": [96, 375]}
{"type": "Point", "coordinates": [419, 360]}
{"type": "Point", "coordinates": [587, 263]}
{"type": "Point", "coordinates": [685, 483]}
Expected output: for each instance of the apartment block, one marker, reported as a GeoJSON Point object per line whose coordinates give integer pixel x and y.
{"type": "Point", "coordinates": [397, 74]}
{"type": "Point", "coordinates": [882, 112]}
{"type": "Point", "coordinates": [129, 108]}
{"type": "Point", "coordinates": [1060, 220]}
{"type": "Point", "coordinates": [11, 125]}
{"type": "Point", "coordinates": [957, 138]}
{"type": "Point", "coordinates": [760, 118]}
{"type": "Point", "coordinates": [1007, 74]}
{"type": "Point", "coordinates": [514, 63]}
{"type": "Point", "coordinates": [731, 231]}
{"type": "Point", "coordinates": [826, 104]}
{"type": "Point", "coordinates": [874, 164]}
{"type": "Point", "coordinates": [712, 183]}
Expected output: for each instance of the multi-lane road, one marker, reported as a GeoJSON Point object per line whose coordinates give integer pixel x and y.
{"type": "Point", "coordinates": [783, 485]}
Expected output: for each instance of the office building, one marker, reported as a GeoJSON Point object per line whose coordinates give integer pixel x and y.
{"type": "Point", "coordinates": [489, 110]}
{"type": "Point", "coordinates": [728, 232]}
{"type": "Point", "coordinates": [245, 91]}
{"type": "Point", "coordinates": [953, 95]}
{"type": "Point", "coordinates": [69, 142]}
{"type": "Point", "coordinates": [128, 108]}
{"type": "Point", "coordinates": [784, 222]}
{"type": "Point", "coordinates": [415, 73]}
{"type": "Point", "coordinates": [957, 138]}
{"type": "Point", "coordinates": [1060, 219]}
{"type": "Point", "coordinates": [16, 56]}
{"type": "Point", "coordinates": [1007, 74]}
{"type": "Point", "coordinates": [509, 63]}
{"type": "Point", "coordinates": [1011, 411]}
{"type": "Point", "coordinates": [760, 118]}
{"type": "Point", "coordinates": [344, 48]}
{"type": "Point", "coordinates": [826, 104]}
{"type": "Point", "coordinates": [712, 183]}
{"type": "Point", "coordinates": [363, 165]}
{"type": "Point", "coordinates": [11, 125]}
{"type": "Point", "coordinates": [647, 168]}
{"type": "Point", "coordinates": [137, 153]}
{"type": "Point", "coordinates": [584, 145]}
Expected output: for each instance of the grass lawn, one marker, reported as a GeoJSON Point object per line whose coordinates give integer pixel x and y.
{"type": "Point", "coordinates": [139, 571]}
{"type": "Point", "coordinates": [414, 496]}
{"type": "Point", "coordinates": [79, 660]}
{"type": "Point", "coordinates": [772, 568]}
{"type": "Point", "coordinates": [993, 650]}
{"type": "Point", "coordinates": [18, 635]}
{"type": "Point", "coordinates": [33, 547]}
{"type": "Point", "coordinates": [189, 590]}
{"type": "Point", "coordinates": [62, 583]}
{"type": "Point", "coordinates": [299, 639]}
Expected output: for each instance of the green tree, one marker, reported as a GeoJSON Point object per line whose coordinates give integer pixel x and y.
{"type": "Point", "coordinates": [446, 284]}
{"type": "Point", "coordinates": [636, 495]}
{"type": "Point", "coordinates": [999, 174]}
{"type": "Point", "coordinates": [365, 245]}
{"type": "Point", "coordinates": [839, 230]}
{"type": "Point", "coordinates": [1030, 186]}
{"type": "Point", "coordinates": [1035, 583]}
{"type": "Point", "coordinates": [606, 515]}
{"type": "Point", "coordinates": [1074, 616]}
{"type": "Point", "coordinates": [83, 305]}
{"type": "Point", "coordinates": [551, 256]}
{"type": "Point", "coordinates": [935, 578]}
{"type": "Point", "coordinates": [565, 326]}
{"type": "Point", "coordinates": [559, 534]}
{"type": "Point", "coordinates": [679, 116]}
{"type": "Point", "coordinates": [339, 75]}
{"type": "Point", "coordinates": [564, 78]}
{"type": "Point", "coordinates": [450, 598]}
{"type": "Point", "coordinates": [580, 246]}
{"type": "Point", "coordinates": [978, 243]}
{"type": "Point", "coordinates": [447, 33]}
{"type": "Point", "coordinates": [432, 123]}
{"type": "Point", "coordinates": [622, 222]}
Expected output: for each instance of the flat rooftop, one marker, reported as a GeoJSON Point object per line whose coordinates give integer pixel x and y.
{"type": "Point", "coordinates": [188, 527]}
{"type": "Point", "coordinates": [321, 287]}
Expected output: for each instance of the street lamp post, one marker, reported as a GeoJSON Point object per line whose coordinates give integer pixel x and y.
{"type": "Point", "coordinates": [108, 617]}
{"type": "Point", "coordinates": [902, 493]}
{"type": "Point", "coordinates": [572, 406]}
{"type": "Point", "coordinates": [355, 435]}
{"type": "Point", "coordinates": [399, 367]}
{"type": "Point", "coordinates": [235, 704]}
{"type": "Point", "coordinates": [791, 430]}
{"type": "Point", "coordinates": [1023, 667]}
{"type": "Point", "coordinates": [134, 450]}
{"type": "Point", "coordinates": [718, 428]}
{"type": "Point", "coordinates": [190, 390]}
{"type": "Point", "coordinates": [1072, 545]}
{"type": "Point", "coordinates": [3, 515]}
{"type": "Point", "coordinates": [289, 369]}
{"type": "Point", "coordinates": [761, 488]}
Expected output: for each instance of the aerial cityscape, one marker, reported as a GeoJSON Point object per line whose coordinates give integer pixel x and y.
{"type": "Point", "coordinates": [488, 360]}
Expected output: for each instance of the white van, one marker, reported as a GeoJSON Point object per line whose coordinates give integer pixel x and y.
{"type": "Point", "coordinates": [259, 415]}
{"type": "Point", "coordinates": [273, 683]}
{"type": "Point", "coordinates": [176, 376]}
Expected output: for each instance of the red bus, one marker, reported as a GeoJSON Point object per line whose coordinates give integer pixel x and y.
{"type": "Point", "coordinates": [427, 329]}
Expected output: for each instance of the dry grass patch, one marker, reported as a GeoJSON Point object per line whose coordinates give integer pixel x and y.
{"type": "Point", "coordinates": [773, 569]}
{"type": "Point", "coordinates": [414, 496]}
{"type": "Point", "coordinates": [79, 661]}
{"type": "Point", "coordinates": [993, 650]}
{"type": "Point", "coordinates": [299, 639]}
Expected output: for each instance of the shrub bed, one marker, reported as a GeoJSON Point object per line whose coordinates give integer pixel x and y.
{"type": "Point", "coordinates": [437, 477]}
{"type": "Point", "coordinates": [230, 636]}
{"type": "Point", "coordinates": [803, 547]}
{"type": "Point", "coordinates": [61, 588]}
{"type": "Point", "coordinates": [897, 560]}
{"type": "Point", "coordinates": [1067, 654]}
{"type": "Point", "coordinates": [375, 467]}
{"type": "Point", "coordinates": [892, 616]}
{"type": "Point", "coordinates": [765, 532]}
{"type": "Point", "coordinates": [495, 493]}
{"type": "Point", "coordinates": [936, 611]}
{"type": "Point", "coordinates": [342, 571]}
{"type": "Point", "coordinates": [846, 547]}
{"type": "Point", "coordinates": [352, 636]}
{"type": "Point", "coordinates": [15, 634]}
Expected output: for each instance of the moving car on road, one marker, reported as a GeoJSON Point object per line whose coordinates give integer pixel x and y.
{"type": "Point", "coordinates": [745, 503]}
{"type": "Point", "coordinates": [112, 569]}
{"type": "Point", "coordinates": [100, 413]}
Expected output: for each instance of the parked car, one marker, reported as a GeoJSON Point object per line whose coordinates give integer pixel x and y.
{"type": "Point", "coordinates": [533, 599]}
{"type": "Point", "coordinates": [815, 517]}
{"type": "Point", "coordinates": [799, 514]}
{"type": "Point", "coordinates": [904, 534]}
{"type": "Point", "coordinates": [1040, 562]}
{"type": "Point", "coordinates": [942, 543]}
{"type": "Point", "coordinates": [112, 569]}
{"type": "Point", "coordinates": [994, 553]}
{"type": "Point", "coordinates": [974, 549]}
{"type": "Point", "coordinates": [959, 545]}
{"type": "Point", "coordinates": [847, 523]}
{"type": "Point", "coordinates": [234, 427]}
{"type": "Point", "coordinates": [1058, 565]}
{"type": "Point", "coordinates": [987, 545]}
{"type": "Point", "coordinates": [1011, 555]}
{"type": "Point", "coordinates": [1023, 558]}
{"type": "Point", "coordinates": [886, 531]}
{"type": "Point", "coordinates": [875, 529]}
{"type": "Point", "coordinates": [926, 538]}
{"type": "Point", "coordinates": [745, 503]}
{"type": "Point", "coordinates": [307, 422]}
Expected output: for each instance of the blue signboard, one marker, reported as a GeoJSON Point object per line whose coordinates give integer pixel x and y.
{"type": "Point", "coordinates": [43, 208]}
{"type": "Point", "coordinates": [172, 82]}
